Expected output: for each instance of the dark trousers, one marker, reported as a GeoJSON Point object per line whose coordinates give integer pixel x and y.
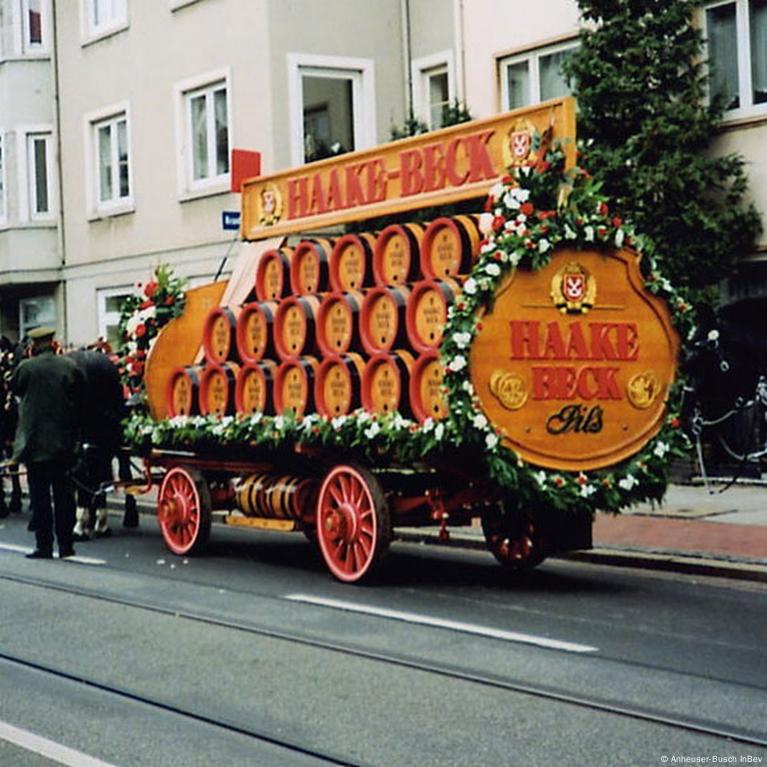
{"type": "Point", "coordinates": [93, 470]}
{"type": "Point", "coordinates": [44, 479]}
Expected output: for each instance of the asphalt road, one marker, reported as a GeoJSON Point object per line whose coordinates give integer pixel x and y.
{"type": "Point", "coordinates": [254, 655]}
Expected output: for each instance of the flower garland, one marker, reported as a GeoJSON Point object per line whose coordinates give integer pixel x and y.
{"type": "Point", "coordinates": [533, 210]}
{"type": "Point", "coordinates": [142, 315]}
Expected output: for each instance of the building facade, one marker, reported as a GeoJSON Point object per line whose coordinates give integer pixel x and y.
{"type": "Point", "coordinates": [115, 151]}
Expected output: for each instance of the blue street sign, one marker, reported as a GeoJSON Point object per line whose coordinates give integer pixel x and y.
{"type": "Point", "coordinates": [230, 219]}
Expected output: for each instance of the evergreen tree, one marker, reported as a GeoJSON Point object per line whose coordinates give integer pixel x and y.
{"type": "Point", "coordinates": [641, 82]}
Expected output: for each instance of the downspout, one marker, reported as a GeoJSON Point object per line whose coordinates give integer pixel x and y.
{"type": "Point", "coordinates": [460, 63]}
{"type": "Point", "coordinates": [59, 168]}
{"type": "Point", "coordinates": [407, 56]}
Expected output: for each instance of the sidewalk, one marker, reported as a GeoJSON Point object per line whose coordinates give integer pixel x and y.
{"type": "Point", "coordinates": [694, 531]}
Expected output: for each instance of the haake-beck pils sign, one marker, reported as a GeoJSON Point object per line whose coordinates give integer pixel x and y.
{"type": "Point", "coordinates": [573, 364]}
{"type": "Point", "coordinates": [445, 166]}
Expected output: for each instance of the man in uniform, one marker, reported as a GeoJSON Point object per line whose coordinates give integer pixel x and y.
{"type": "Point", "coordinates": [49, 387]}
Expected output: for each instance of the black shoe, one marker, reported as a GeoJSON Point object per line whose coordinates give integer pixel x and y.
{"type": "Point", "coordinates": [40, 554]}
{"type": "Point", "coordinates": [102, 533]}
{"type": "Point", "coordinates": [64, 553]}
{"type": "Point", "coordinates": [80, 537]}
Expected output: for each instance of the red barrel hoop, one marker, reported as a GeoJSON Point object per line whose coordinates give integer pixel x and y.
{"type": "Point", "coordinates": [338, 385]}
{"type": "Point", "coordinates": [254, 390]}
{"type": "Point", "coordinates": [427, 311]}
{"type": "Point", "coordinates": [294, 386]}
{"type": "Point", "coordinates": [219, 335]}
{"type": "Point", "coordinates": [397, 254]}
{"type": "Point", "coordinates": [383, 321]}
{"type": "Point", "coordinates": [338, 326]}
{"type": "Point", "coordinates": [450, 246]}
{"type": "Point", "coordinates": [351, 262]}
{"type": "Point", "coordinates": [255, 330]}
{"type": "Point", "coordinates": [273, 274]}
{"type": "Point", "coordinates": [427, 395]}
{"type": "Point", "coordinates": [386, 383]}
{"type": "Point", "coordinates": [217, 383]}
{"type": "Point", "coordinates": [309, 266]}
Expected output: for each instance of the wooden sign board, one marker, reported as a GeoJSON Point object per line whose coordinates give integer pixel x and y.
{"type": "Point", "coordinates": [573, 364]}
{"type": "Point", "coordinates": [448, 165]}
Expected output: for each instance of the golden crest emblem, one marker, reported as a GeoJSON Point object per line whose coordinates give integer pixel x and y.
{"type": "Point", "coordinates": [509, 389]}
{"type": "Point", "coordinates": [573, 289]}
{"type": "Point", "coordinates": [270, 205]}
{"type": "Point", "coordinates": [518, 149]}
{"type": "Point", "coordinates": [643, 389]}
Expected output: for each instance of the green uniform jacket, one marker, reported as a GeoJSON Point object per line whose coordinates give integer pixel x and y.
{"type": "Point", "coordinates": [49, 387]}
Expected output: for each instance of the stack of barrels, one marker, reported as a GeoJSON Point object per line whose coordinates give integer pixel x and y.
{"type": "Point", "coordinates": [336, 325]}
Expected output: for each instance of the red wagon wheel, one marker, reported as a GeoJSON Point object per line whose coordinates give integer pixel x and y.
{"type": "Point", "coordinates": [353, 525]}
{"type": "Point", "coordinates": [513, 538]}
{"type": "Point", "coordinates": [183, 510]}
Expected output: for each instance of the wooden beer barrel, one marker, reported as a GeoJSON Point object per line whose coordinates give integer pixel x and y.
{"type": "Point", "coordinates": [273, 274]}
{"type": "Point", "coordinates": [338, 327]}
{"type": "Point", "coordinates": [295, 326]}
{"type": "Point", "coordinates": [275, 497]}
{"type": "Point", "coordinates": [427, 398]}
{"type": "Point", "coordinates": [383, 324]}
{"type": "Point", "coordinates": [427, 311]}
{"type": "Point", "coordinates": [338, 385]}
{"type": "Point", "coordinates": [309, 266]}
{"type": "Point", "coordinates": [254, 389]}
{"type": "Point", "coordinates": [181, 396]}
{"type": "Point", "coordinates": [397, 254]}
{"type": "Point", "coordinates": [386, 383]}
{"type": "Point", "coordinates": [351, 262]}
{"type": "Point", "coordinates": [219, 335]}
{"type": "Point", "coordinates": [294, 386]}
{"type": "Point", "coordinates": [255, 333]}
{"type": "Point", "coordinates": [216, 392]}
{"type": "Point", "coordinates": [449, 246]}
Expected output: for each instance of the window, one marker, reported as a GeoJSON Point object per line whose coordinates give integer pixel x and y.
{"type": "Point", "coordinates": [534, 76]}
{"type": "Point", "coordinates": [109, 304]}
{"type": "Point", "coordinates": [208, 132]}
{"type": "Point", "coordinates": [104, 16]}
{"type": "Point", "coordinates": [736, 34]}
{"type": "Point", "coordinates": [40, 175]}
{"type": "Point", "coordinates": [111, 149]}
{"type": "Point", "coordinates": [36, 311]}
{"type": "Point", "coordinates": [433, 88]}
{"type": "Point", "coordinates": [32, 25]}
{"type": "Point", "coordinates": [332, 107]}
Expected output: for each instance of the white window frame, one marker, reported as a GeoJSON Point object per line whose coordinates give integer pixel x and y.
{"type": "Point", "coordinates": [188, 186]}
{"type": "Point", "coordinates": [106, 318]}
{"type": "Point", "coordinates": [43, 47]}
{"type": "Point", "coordinates": [92, 31]}
{"type": "Point", "coordinates": [117, 205]}
{"type": "Point", "coordinates": [421, 70]}
{"type": "Point", "coordinates": [46, 320]}
{"type": "Point", "coordinates": [361, 73]}
{"type": "Point", "coordinates": [743, 35]}
{"type": "Point", "coordinates": [26, 174]}
{"type": "Point", "coordinates": [532, 56]}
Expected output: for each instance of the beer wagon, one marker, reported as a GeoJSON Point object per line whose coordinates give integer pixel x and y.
{"type": "Point", "coordinates": [513, 366]}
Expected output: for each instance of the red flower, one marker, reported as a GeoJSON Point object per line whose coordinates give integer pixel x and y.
{"type": "Point", "coordinates": [617, 222]}
{"type": "Point", "coordinates": [506, 179]}
{"type": "Point", "coordinates": [559, 481]}
{"type": "Point", "coordinates": [601, 231]}
{"type": "Point", "coordinates": [150, 289]}
{"type": "Point", "coordinates": [488, 205]}
{"type": "Point", "coordinates": [674, 423]}
{"type": "Point", "coordinates": [140, 331]}
{"type": "Point", "coordinates": [169, 301]}
{"type": "Point", "coordinates": [146, 304]}
{"type": "Point", "coordinates": [498, 222]}
{"type": "Point", "coordinates": [543, 166]}
{"type": "Point", "coordinates": [527, 208]}
{"type": "Point", "coordinates": [603, 210]}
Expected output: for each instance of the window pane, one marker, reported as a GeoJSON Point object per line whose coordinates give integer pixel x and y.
{"type": "Point", "coordinates": [40, 171]}
{"type": "Point", "coordinates": [199, 137]}
{"type": "Point", "coordinates": [723, 54]}
{"type": "Point", "coordinates": [328, 116]}
{"type": "Point", "coordinates": [518, 84]}
{"type": "Point", "coordinates": [34, 23]}
{"type": "Point", "coordinates": [105, 163]}
{"type": "Point", "coordinates": [438, 98]}
{"type": "Point", "coordinates": [759, 50]}
{"type": "Point", "coordinates": [222, 132]}
{"type": "Point", "coordinates": [553, 84]}
{"type": "Point", "coordinates": [122, 158]}
{"type": "Point", "coordinates": [113, 304]}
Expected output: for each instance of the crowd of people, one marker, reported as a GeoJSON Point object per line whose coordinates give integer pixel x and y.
{"type": "Point", "coordinates": [60, 420]}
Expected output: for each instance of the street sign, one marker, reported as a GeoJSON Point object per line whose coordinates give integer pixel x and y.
{"type": "Point", "coordinates": [230, 219]}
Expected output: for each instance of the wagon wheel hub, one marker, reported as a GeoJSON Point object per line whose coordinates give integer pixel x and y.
{"type": "Point", "coordinates": [170, 510]}
{"type": "Point", "coordinates": [342, 522]}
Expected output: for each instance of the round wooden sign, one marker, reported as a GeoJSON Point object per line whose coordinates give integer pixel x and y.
{"type": "Point", "coordinates": [574, 362]}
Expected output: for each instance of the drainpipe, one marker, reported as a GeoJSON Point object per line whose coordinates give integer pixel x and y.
{"type": "Point", "coordinates": [407, 56]}
{"type": "Point", "coordinates": [59, 169]}
{"type": "Point", "coordinates": [460, 63]}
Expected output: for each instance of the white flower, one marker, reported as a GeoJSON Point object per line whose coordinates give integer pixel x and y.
{"type": "Point", "coordinates": [628, 482]}
{"type": "Point", "coordinates": [439, 432]}
{"type": "Point", "coordinates": [486, 223]}
{"type": "Point", "coordinates": [587, 490]}
{"type": "Point", "coordinates": [620, 237]}
{"type": "Point", "coordinates": [570, 234]}
{"type": "Point", "coordinates": [521, 218]}
{"type": "Point", "coordinates": [661, 449]}
{"type": "Point", "coordinates": [148, 313]}
{"type": "Point", "coordinates": [488, 247]}
{"type": "Point", "coordinates": [523, 195]}
{"type": "Point", "coordinates": [458, 363]}
{"type": "Point", "coordinates": [540, 478]}
{"type": "Point", "coordinates": [589, 234]}
{"type": "Point", "coordinates": [470, 286]}
{"type": "Point", "coordinates": [338, 422]}
{"type": "Point", "coordinates": [491, 440]}
{"type": "Point", "coordinates": [428, 425]}
{"type": "Point", "coordinates": [543, 245]}
{"type": "Point", "coordinates": [279, 422]}
{"type": "Point", "coordinates": [493, 270]}
{"type": "Point", "coordinates": [462, 339]}
{"type": "Point", "coordinates": [479, 421]}
{"type": "Point", "coordinates": [496, 191]}
{"type": "Point", "coordinates": [468, 386]}
{"type": "Point", "coordinates": [510, 200]}
{"type": "Point", "coordinates": [372, 430]}
{"type": "Point", "coordinates": [713, 335]}
{"type": "Point", "coordinates": [514, 258]}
